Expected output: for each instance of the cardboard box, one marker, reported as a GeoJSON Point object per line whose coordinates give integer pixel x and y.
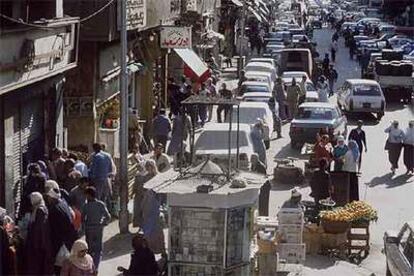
{"type": "Point", "coordinates": [292, 252]}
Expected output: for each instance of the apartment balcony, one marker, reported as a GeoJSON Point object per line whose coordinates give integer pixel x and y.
{"type": "Point", "coordinates": [29, 54]}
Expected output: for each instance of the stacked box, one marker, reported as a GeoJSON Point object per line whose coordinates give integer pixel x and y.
{"type": "Point", "coordinates": [290, 235]}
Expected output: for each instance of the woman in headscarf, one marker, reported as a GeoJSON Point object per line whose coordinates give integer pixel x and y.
{"type": "Point", "coordinates": [339, 152]}
{"type": "Point", "coordinates": [409, 148]}
{"type": "Point", "coordinates": [394, 144]}
{"type": "Point", "coordinates": [34, 182]}
{"type": "Point", "coordinates": [79, 263]}
{"type": "Point", "coordinates": [350, 165]}
{"type": "Point", "coordinates": [257, 139]}
{"type": "Point", "coordinates": [323, 149]}
{"type": "Point", "coordinates": [142, 259]}
{"type": "Point", "coordinates": [38, 258]}
{"type": "Point", "coordinates": [323, 90]}
{"type": "Point", "coordinates": [145, 173]}
{"type": "Point", "coordinates": [43, 168]}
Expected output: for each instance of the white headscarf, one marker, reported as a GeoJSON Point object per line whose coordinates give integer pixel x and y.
{"type": "Point", "coordinates": [37, 202]}
{"type": "Point", "coordinates": [83, 263]}
{"type": "Point", "coordinates": [52, 189]}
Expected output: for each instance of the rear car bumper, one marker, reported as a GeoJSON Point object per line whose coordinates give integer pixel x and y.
{"type": "Point", "coordinates": [367, 110]}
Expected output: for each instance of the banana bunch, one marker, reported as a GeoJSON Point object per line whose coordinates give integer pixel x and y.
{"type": "Point", "coordinates": [352, 212]}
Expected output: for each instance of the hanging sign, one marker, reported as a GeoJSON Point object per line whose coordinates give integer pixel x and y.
{"type": "Point", "coordinates": [175, 37]}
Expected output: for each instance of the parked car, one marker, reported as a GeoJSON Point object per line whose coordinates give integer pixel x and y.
{"type": "Point", "coordinates": [255, 86]}
{"type": "Point", "coordinates": [397, 42]}
{"type": "Point", "coordinates": [359, 95]}
{"type": "Point", "coordinates": [313, 116]}
{"type": "Point", "coordinates": [264, 60]}
{"type": "Point", "coordinates": [262, 67]}
{"type": "Point", "coordinates": [368, 20]}
{"type": "Point", "coordinates": [295, 74]}
{"type": "Point", "coordinates": [260, 77]}
{"type": "Point", "coordinates": [256, 97]}
{"type": "Point", "coordinates": [213, 143]}
{"type": "Point", "coordinates": [399, 251]}
{"type": "Point", "coordinates": [410, 56]}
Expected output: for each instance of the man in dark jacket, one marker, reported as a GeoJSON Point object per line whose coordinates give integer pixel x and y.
{"type": "Point", "coordinates": [358, 135]}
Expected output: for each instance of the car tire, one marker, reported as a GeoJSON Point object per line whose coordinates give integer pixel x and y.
{"type": "Point", "coordinates": [388, 272]}
{"type": "Point", "coordinates": [267, 144]}
{"type": "Point", "coordinates": [380, 115]}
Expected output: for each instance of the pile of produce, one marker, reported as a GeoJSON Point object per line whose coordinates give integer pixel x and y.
{"type": "Point", "coordinates": [356, 211]}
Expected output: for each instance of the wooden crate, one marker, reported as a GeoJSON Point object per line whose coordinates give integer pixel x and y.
{"type": "Point", "coordinates": [358, 238]}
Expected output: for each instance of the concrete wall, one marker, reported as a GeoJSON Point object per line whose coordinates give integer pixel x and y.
{"type": "Point", "coordinates": [35, 54]}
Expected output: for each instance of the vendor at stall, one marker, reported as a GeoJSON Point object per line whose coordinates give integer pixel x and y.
{"type": "Point", "coordinates": [320, 183]}
{"type": "Point", "coordinates": [323, 149]}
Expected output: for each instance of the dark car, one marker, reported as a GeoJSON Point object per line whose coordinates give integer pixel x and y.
{"type": "Point", "coordinates": [311, 118]}
{"type": "Point", "coordinates": [399, 251]}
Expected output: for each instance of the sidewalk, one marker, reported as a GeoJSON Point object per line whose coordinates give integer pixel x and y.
{"type": "Point", "coordinates": [117, 248]}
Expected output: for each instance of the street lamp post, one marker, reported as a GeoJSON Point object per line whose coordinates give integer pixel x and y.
{"type": "Point", "coordinates": [123, 133]}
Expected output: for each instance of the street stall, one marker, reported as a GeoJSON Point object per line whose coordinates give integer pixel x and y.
{"type": "Point", "coordinates": [210, 219]}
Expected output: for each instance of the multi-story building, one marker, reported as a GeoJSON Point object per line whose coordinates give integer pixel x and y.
{"type": "Point", "coordinates": [38, 46]}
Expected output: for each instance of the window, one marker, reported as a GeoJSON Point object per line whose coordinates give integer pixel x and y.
{"type": "Point", "coordinates": [247, 89]}
{"type": "Point", "coordinates": [317, 113]}
{"type": "Point", "coordinates": [219, 140]}
{"type": "Point", "coordinates": [366, 90]}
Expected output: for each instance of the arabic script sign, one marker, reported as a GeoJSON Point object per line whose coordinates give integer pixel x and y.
{"type": "Point", "coordinates": [175, 37]}
{"type": "Point", "coordinates": [136, 14]}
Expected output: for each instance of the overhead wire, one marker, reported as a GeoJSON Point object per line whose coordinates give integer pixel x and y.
{"type": "Point", "coordinates": [51, 27]}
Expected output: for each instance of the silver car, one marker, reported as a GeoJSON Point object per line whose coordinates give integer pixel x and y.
{"type": "Point", "coordinates": [399, 251]}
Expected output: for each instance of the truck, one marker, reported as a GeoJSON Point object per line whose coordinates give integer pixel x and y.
{"type": "Point", "coordinates": [395, 76]}
{"type": "Point", "coordinates": [296, 59]}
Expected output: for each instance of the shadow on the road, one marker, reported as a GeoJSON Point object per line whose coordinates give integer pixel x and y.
{"type": "Point", "coordinates": [287, 151]}
{"type": "Point", "coordinates": [319, 262]}
{"type": "Point", "coordinates": [389, 180]}
{"type": "Point", "coordinates": [117, 245]}
{"type": "Point", "coordinates": [368, 118]}
{"type": "Point", "coordinates": [394, 107]}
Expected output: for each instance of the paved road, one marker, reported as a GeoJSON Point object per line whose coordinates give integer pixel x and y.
{"type": "Point", "coordinates": [391, 194]}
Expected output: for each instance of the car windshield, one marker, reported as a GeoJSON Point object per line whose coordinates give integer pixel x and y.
{"type": "Point", "coordinates": [255, 88]}
{"type": "Point", "coordinates": [367, 90]}
{"type": "Point", "coordinates": [248, 115]}
{"type": "Point", "coordinates": [317, 113]}
{"type": "Point", "coordinates": [219, 140]}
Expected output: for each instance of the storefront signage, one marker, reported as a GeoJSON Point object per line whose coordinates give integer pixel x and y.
{"type": "Point", "coordinates": [136, 14]}
{"type": "Point", "coordinates": [175, 37]}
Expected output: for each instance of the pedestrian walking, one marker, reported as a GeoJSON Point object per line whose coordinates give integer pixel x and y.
{"type": "Point", "coordinates": [203, 108]}
{"type": "Point", "coordinates": [77, 199]}
{"type": "Point", "coordinates": [179, 135]}
{"type": "Point", "coordinates": [161, 159]}
{"type": "Point", "coordinates": [173, 96]}
{"type": "Point", "coordinates": [95, 216]}
{"type": "Point", "coordinates": [334, 49]}
{"type": "Point", "coordinates": [332, 78]}
{"type": "Point", "coordinates": [325, 64]}
{"type": "Point", "coordinates": [80, 166]}
{"type": "Point", "coordinates": [364, 62]}
{"type": "Point", "coordinates": [161, 127]}
{"type": "Point", "coordinates": [34, 182]}
{"type": "Point", "coordinates": [351, 166]}
{"type": "Point", "coordinates": [79, 262]}
{"type": "Point", "coordinates": [409, 148]}
{"type": "Point", "coordinates": [242, 78]}
{"type": "Point", "coordinates": [38, 256]}
{"type": "Point", "coordinates": [339, 152]}
{"type": "Point", "coordinates": [62, 231]}
{"type": "Point", "coordinates": [225, 94]}
{"type": "Point", "coordinates": [145, 173]}
{"type": "Point", "coordinates": [257, 166]}
{"type": "Point", "coordinates": [293, 93]}
{"type": "Point", "coordinates": [358, 135]}
{"type": "Point", "coordinates": [280, 96]}
{"type": "Point", "coordinates": [352, 46]}
{"type": "Point", "coordinates": [72, 176]}
{"type": "Point", "coordinates": [258, 142]}
{"type": "Point", "coordinates": [320, 183]}
{"type": "Point", "coordinates": [100, 170]}
{"type": "Point", "coordinates": [277, 123]}
{"type": "Point", "coordinates": [143, 261]}
{"type": "Point", "coordinates": [323, 90]}
{"type": "Point", "coordinates": [56, 166]}
{"type": "Point", "coordinates": [394, 144]}
{"type": "Point", "coordinates": [302, 86]}
{"type": "Point", "coordinates": [212, 93]}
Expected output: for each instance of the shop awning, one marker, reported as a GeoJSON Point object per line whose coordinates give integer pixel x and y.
{"type": "Point", "coordinates": [255, 14]}
{"type": "Point", "coordinates": [237, 3]}
{"type": "Point", "coordinates": [198, 68]}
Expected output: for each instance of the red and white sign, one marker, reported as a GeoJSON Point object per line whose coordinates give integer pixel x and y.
{"type": "Point", "coordinates": [175, 37]}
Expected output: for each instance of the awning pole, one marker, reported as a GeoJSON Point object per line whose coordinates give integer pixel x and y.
{"type": "Point", "coordinates": [238, 129]}
{"type": "Point", "coordinates": [231, 111]}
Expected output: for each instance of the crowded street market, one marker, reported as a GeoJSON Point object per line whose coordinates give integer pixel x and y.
{"type": "Point", "coordinates": [207, 137]}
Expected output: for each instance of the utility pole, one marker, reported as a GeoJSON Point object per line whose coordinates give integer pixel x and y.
{"type": "Point", "coordinates": [241, 39]}
{"type": "Point", "coordinates": [123, 133]}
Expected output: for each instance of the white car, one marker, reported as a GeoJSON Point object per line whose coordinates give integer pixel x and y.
{"type": "Point", "coordinates": [260, 77]}
{"type": "Point", "coordinates": [256, 97]}
{"type": "Point", "coordinates": [360, 95]}
{"type": "Point", "coordinates": [369, 20]}
{"type": "Point", "coordinates": [295, 74]}
{"type": "Point", "coordinates": [213, 143]}
{"type": "Point", "coordinates": [262, 67]}
{"type": "Point", "coordinates": [271, 61]}
{"type": "Point", "coordinates": [397, 42]}
{"type": "Point", "coordinates": [250, 112]}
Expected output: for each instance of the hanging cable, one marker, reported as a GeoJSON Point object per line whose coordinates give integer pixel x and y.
{"type": "Point", "coordinates": [49, 27]}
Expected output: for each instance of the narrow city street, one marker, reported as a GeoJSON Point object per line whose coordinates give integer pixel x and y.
{"type": "Point", "coordinates": [391, 194]}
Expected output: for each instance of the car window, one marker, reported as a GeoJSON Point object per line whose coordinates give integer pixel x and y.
{"type": "Point", "coordinates": [218, 140]}
{"type": "Point", "coordinates": [254, 88]}
{"type": "Point", "coordinates": [317, 113]}
{"type": "Point", "coordinates": [366, 90]}
{"type": "Point", "coordinates": [249, 115]}
{"type": "Point", "coordinates": [407, 245]}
